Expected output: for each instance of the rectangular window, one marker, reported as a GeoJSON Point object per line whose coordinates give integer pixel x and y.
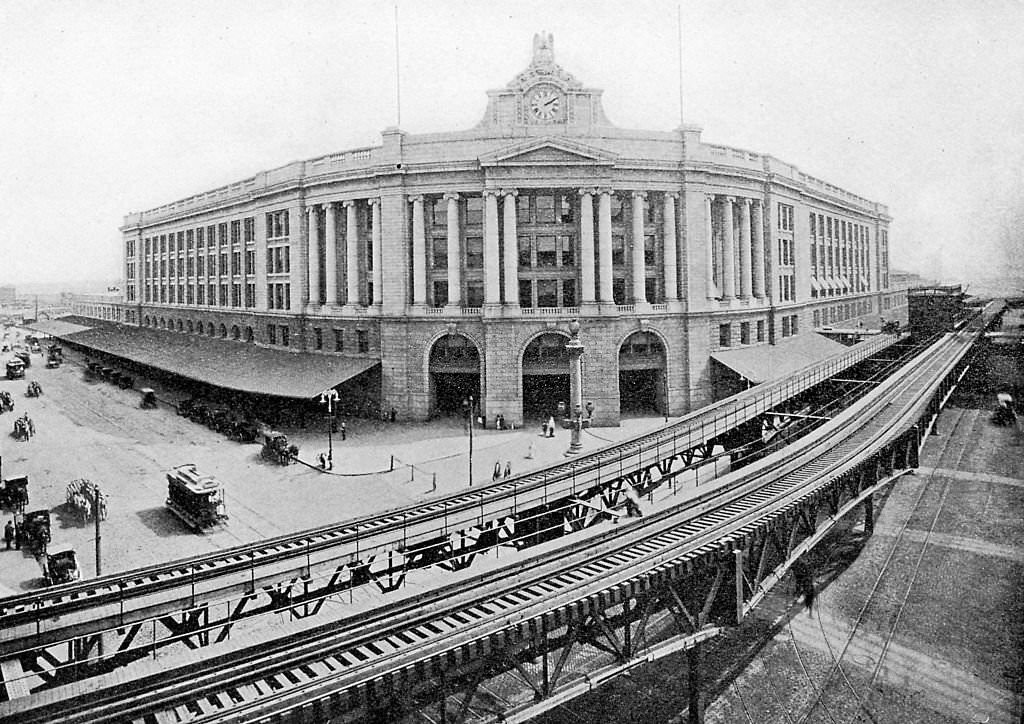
{"type": "Point", "coordinates": [440, 293]}
{"type": "Point", "coordinates": [188, 266]}
{"type": "Point", "coordinates": [474, 211]}
{"type": "Point", "coordinates": [474, 295]}
{"type": "Point", "coordinates": [250, 262]}
{"type": "Point", "coordinates": [189, 241]}
{"type": "Point", "coordinates": [568, 292]}
{"type": "Point", "coordinates": [440, 255]}
{"type": "Point", "coordinates": [619, 291]}
{"type": "Point", "coordinates": [545, 208]}
{"type": "Point", "coordinates": [724, 335]}
{"type": "Point", "coordinates": [318, 338]}
{"type": "Point", "coordinates": [565, 247]}
{"type": "Point", "coordinates": [547, 254]}
{"type": "Point", "coordinates": [223, 270]}
{"type": "Point", "coordinates": [793, 327]}
{"type": "Point", "coordinates": [250, 230]}
{"type": "Point", "coordinates": [339, 340]}
{"type": "Point", "coordinates": [236, 295]}
{"type": "Point", "coordinates": [525, 293]}
{"type": "Point", "coordinates": [439, 209]}
{"type": "Point", "coordinates": [744, 332]}
{"type": "Point", "coordinates": [363, 341]}
{"type": "Point", "coordinates": [616, 209]}
{"type": "Point", "coordinates": [650, 251]}
{"type": "Point", "coordinates": [817, 318]}
{"type": "Point", "coordinates": [223, 295]}
{"type": "Point", "coordinates": [200, 294]}
{"type": "Point", "coordinates": [474, 253]}
{"type": "Point", "coordinates": [785, 326]}
{"type": "Point", "coordinates": [250, 295]}
{"type": "Point", "coordinates": [236, 263]}
{"type": "Point", "coordinates": [284, 335]}
{"type": "Point", "coordinates": [565, 212]}
{"type": "Point", "coordinates": [287, 260]}
{"type": "Point", "coordinates": [236, 232]}
{"type": "Point", "coordinates": [760, 330]}
{"type": "Point", "coordinates": [547, 293]}
{"type": "Point", "coordinates": [651, 290]}
{"type": "Point", "coordinates": [271, 334]}
{"type": "Point", "coordinates": [200, 237]}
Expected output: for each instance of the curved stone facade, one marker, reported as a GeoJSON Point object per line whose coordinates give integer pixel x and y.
{"type": "Point", "coordinates": [543, 212]}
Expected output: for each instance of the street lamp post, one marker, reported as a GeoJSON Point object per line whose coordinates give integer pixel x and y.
{"type": "Point", "coordinates": [329, 397]}
{"type": "Point", "coordinates": [575, 349]}
{"type": "Point", "coordinates": [468, 410]}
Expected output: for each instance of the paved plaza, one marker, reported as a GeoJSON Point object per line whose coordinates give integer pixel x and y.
{"type": "Point", "coordinates": [92, 429]}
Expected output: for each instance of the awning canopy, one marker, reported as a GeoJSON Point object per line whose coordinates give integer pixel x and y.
{"type": "Point", "coordinates": [830, 283]}
{"type": "Point", "coordinates": [229, 364]}
{"type": "Point", "coordinates": [765, 362]}
{"type": "Point", "coordinates": [816, 285]}
{"type": "Point", "coordinates": [57, 327]}
{"type": "Point", "coordinates": [845, 282]}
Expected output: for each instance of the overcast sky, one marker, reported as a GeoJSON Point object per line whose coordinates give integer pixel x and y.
{"type": "Point", "coordinates": [110, 107]}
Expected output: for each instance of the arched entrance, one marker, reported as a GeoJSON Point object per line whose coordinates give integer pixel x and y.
{"type": "Point", "coordinates": [454, 373]}
{"type": "Point", "coordinates": [642, 375]}
{"type": "Point", "coordinates": [545, 376]}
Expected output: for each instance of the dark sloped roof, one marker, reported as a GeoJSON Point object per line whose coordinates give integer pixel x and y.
{"type": "Point", "coordinates": [222, 363]}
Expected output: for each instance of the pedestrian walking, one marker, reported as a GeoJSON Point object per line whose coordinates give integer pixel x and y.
{"type": "Point", "coordinates": [31, 427]}
{"type": "Point", "coordinates": [508, 469]}
{"type": "Point", "coordinates": [344, 431]}
{"type": "Point", "coordinates": [530, 451]}
{"type": "Point", "coordinates": [551, 427]}
{"type": "Point", "coordinates": [9, 534]}
{"type": "Point", "coordinates": [322, 459]}
{"type": "Point", "coordinates": [330, 461]}
{"type": "Point", "coordinates": [497, 470]}
{"type": "Point", "coordinates": [544, 429]}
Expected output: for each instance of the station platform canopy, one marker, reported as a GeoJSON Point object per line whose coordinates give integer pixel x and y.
{"type": "Point", "coordinates": [765, 362]}
{"type": "Point", "coordinates": [232, 365]}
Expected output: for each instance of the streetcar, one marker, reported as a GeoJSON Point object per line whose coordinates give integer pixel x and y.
{"type": "Point", "coordinates": [195, 498]}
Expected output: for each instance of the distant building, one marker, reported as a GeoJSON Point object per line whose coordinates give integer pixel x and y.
{"type": "Point", "coordinates": [454, 261]}
{"type": "Point", "coordinates": [935, 309]}
{"type": "Point", "coordinates": [8, 295]}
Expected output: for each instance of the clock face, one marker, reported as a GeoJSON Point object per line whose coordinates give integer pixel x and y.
{"type": "Point", "coordinates": [545, 104]}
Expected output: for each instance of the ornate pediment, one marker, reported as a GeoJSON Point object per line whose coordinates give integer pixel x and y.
{"type": "Point", "coordinates": [549, 151]}
{"type": "Point", "coordinates": [543, 67]}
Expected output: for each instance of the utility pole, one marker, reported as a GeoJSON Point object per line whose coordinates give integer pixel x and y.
{"type": "Point", "coordinates": [96, 518]}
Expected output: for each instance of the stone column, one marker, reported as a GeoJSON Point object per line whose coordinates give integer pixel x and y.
{"type": "Point", "coordinates": [378, 253]}
{"type": "Point", "coordinates": [492, 278]}
{"type": "Point", "coordinates": [587, 288]}
{"type": "Point", "coordinates": [757, 224]}
{"type": "Point", "coordinates": [728, 251]}
{"type": "Point", "coordinates": [639, 264]}
{"type": "Point", "coordinates": [454, 257]}
{"type": "Point", "coordinates": [351, 254]}
{"type": "Point", "coordinates": [419, 252]}
{"type": "Point", "coordinates": [669, 235]}
{"type": "Point", "coordinates": [331, 259]}
{"type": "Point", "coordinates": [604, 241]}
{"type": "Point", "coordinates": [313, 254]}
{"type": "Point", "coordinates": [511, 258]}
{"type": "Point", "coordinates": [709, 235]}
{"type": "Point", "coordinates": [745, 249]}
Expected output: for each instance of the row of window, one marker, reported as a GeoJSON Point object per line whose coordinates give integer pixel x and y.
{"type": "Point", "coordinates": [338, 339]}
{"type": "Point", "coordinates": [225, 295]}
{"type": "Point", "coordinates": [725, 332]}
{"type": "Point", "coordinates": [546, 292]}
{"type": "Point", "coordinates": [197, 266]}
{"type": "Point", "coordinates": [208, 329]}
{"type": "Point", "coordinates": [790, 325]}
{"type": "Point", "coordinates": [277, 334]}
{"type": "Point", "coordinates": [538, 208]}
{"type": "Point", "coordinates": [222, 234]}
{"type": "Point", "coordinates": [842, 312]}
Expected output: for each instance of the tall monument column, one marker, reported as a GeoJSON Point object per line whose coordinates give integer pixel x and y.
{"type": "Point", "coordinates": [669, 233]}
{"type": "Point", "coordinates": [709, 236]}
{"type": "Point", "coordinates": [745, 285]}
{"type": "Point", "coordinates": [728, 251]}
{"type": "Point", "coordinates": [511, 233]}
{"type": "Point", "coordinates": [639, 259]}
{"type": "Point", "coordinates": [454, 257]}
{"type": "Point", "coordinates": [419, 252]}
{"type": "Point", "coordinates": [604, 240]}
{"type": "Point", "coordinates": [313, 256]}
{"type": "Point", "coordinates": [587, 277]}
{"type": "Point", "coordinates": [492, 278]}
{"type": "Point", "coordinates": [757, 227]}
{"type": "Point", "coordinates": [331, 256]}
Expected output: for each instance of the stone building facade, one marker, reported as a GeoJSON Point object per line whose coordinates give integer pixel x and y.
{"type": "Point", "coordinates": [458, 259]}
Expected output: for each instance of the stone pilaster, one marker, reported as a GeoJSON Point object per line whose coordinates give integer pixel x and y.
{"type": "Point", "coordinates": [639, 264]}
{"type": "Point", "coordinates": [454, 255]}
{"type": "Point", "coordinates": [352, 242]}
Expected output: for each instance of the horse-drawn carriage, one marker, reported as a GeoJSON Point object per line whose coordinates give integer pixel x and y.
{"type": "Point", "coordinates": [148, 401]}
{"type": "Point", "coordinates": [6, 402]}
{"type": "Point", "coordinates": [276, 448]}
{"type": "Point", "coordinates": [195, 498]}
{"type": "Point", "coordinates": [14, 493]}
{"type": "Point", "coordinates": [84, 497]}
{"type": "Point", "coordinates": [34, 389]}
{"type": "Point", "coordinates": [25, 357]}
{"type": "Point", "coordinates": [34, 531]}
{"type": "Point", "coordinates": [61, 567]}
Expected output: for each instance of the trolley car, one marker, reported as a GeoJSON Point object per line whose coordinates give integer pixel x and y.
{"type": "Point", "coordinates": [195, 498]}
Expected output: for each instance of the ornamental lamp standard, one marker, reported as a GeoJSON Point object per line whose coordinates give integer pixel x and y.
{"type": "Point", "coordinates": [329, 397]}
{"type": "Point", "coordinates": [468, 410]}
{"type": "Point", "coordinates": [575, 349]}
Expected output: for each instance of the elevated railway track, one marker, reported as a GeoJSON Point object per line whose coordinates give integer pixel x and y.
{"type": "Point", "coordinates": [749, 528]}
{"type": "Point", "coordinates": [382, 548]}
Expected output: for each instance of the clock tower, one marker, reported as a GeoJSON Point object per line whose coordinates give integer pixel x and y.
{"type": "Point", "coordinates": [544, 95]}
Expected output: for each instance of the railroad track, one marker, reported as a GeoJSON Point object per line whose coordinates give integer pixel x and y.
{"type": "Point", "coordinates": [273, 678]}
{"type": "Point", "coordinates": [118, 599]}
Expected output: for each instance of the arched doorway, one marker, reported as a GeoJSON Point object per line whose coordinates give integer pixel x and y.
{"type": "Point", "coordinates": [545, 376]}
{"type": "Point", "coordinates": [642, 374]}
{"type": "Point", "coordinates": [454, 368]}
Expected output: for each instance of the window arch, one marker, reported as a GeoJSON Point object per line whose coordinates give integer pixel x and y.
{"type": "Point", "coordinates": [145, 321]}
{"type": "Point", "coordinates": [223, 331]}
{"type": "Point", "coordinates": [235, 332]}
{"type": "Point", "coordinates": [249, 335]}
{"type": "Point", "coordinates": [180, 327]}
{"type": "Point", "coordinates": [209, 329]}
{"type": "Point", "coordinates": [190, 327]}
{"type": "Point", "coordinates": [163, 323]}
